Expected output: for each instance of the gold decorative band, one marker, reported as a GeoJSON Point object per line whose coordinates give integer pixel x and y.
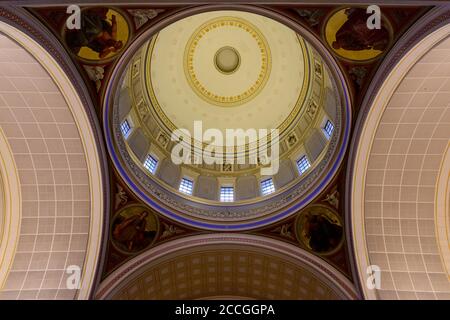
{"type": "Point", "coordinates": [153, 102]}
{"type": "Point", "coordinates": [200, 88]}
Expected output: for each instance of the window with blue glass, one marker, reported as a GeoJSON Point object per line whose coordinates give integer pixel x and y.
{"type": "Point", "coordinates": [125, 128]}
{"type": "Point", "coordinates": [226, 194]}
{"type": "Point", "coordinates": [186, 186]}
{"type": "Point", "coordinates": [267, 186]}
{"type": "Point", "coordinates": [151, 164]}
{"type": "Point", "coordinates": [328, 129]}
{"type": "Point", "coordinates": [303, 164]}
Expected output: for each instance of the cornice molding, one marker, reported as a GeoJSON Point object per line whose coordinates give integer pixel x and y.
{"type": "Point", "coordinates": [202, 2]}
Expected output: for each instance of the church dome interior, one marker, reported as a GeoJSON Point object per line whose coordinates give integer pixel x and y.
{"type": "Point", "coordinates": [214, 151]}
{"type": "Point", "coordinates": [173, 91]}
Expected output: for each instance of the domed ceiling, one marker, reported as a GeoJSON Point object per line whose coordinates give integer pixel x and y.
{"type": "Point", "coordinates": [227, 69]}
{"type": "Point", "coordinates": [220, 77]}
{"type": "Point", "coordinates": [167, 81]}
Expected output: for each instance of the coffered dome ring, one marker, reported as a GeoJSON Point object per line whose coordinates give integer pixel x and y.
{"type": "Point", "coordinates": [233, 256]}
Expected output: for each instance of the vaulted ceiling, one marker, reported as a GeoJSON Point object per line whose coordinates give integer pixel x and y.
{"type": "Point", "coordinates": [86, 117]}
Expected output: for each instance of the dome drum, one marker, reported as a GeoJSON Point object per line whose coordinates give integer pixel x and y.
{"type": "Point", "coordinates": [158, 97]}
